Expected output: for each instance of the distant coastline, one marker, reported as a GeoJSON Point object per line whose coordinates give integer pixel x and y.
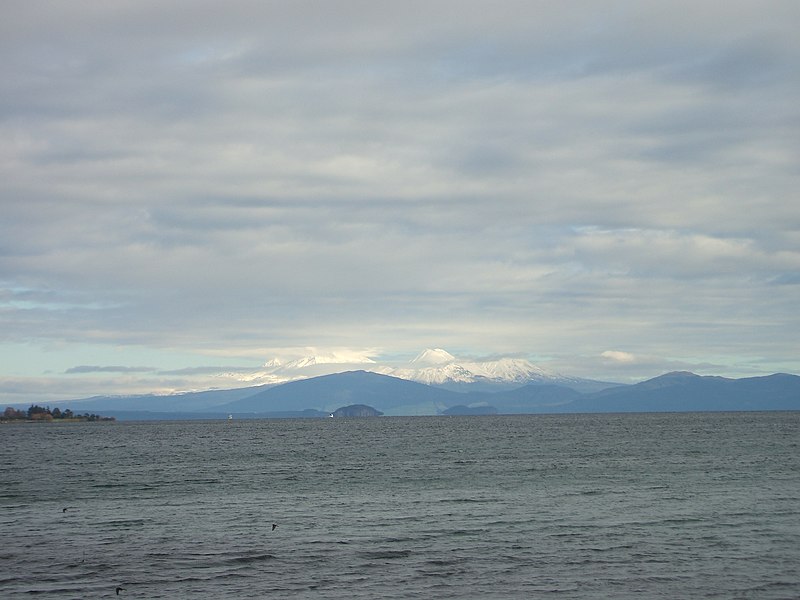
{"type": "Point", "coordinates": [41, 414]}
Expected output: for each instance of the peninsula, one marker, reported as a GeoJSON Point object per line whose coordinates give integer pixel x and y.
{"type": "Point", "coordinates": [43, 414]}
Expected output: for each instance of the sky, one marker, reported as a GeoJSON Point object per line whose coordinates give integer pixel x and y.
{"type": "Point", "coordinates": [191, 189]}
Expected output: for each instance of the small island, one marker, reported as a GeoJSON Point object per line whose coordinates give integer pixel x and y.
{"type": "Point", "coordinates": [40, 414]}
{"type": "Point", "coordinates": [462, 410]}
{"type": "Point", "coordinates": [356, 410]}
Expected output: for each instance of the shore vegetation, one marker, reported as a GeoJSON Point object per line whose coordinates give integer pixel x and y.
{"type": "Point", "coordinates": [38, 413]}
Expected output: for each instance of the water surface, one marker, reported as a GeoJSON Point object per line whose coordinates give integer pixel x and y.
{"type": "Point", "coordinates": [567, 506]}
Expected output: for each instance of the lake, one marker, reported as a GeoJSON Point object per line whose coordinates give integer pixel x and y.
{"type": "Point", "coordinates": [527, 506]}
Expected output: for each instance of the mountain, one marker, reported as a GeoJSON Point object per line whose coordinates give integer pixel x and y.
{"type": "Point", "coordinates": [682, 391]}
{"type": "Point", "coordinates": [390, 395]}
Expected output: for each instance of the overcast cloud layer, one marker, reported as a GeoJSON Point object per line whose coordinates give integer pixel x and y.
{"type": "Point", "coordinates": [607, 188]}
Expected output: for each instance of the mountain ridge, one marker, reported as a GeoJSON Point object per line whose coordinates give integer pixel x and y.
{"type": "Point", "coordinates": [393, 396]}
{"type": "Point", "coordinates": [665, 393]}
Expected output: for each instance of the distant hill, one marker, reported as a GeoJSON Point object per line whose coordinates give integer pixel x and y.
{"type": "Point", "coordinates": [682, 391]}
{"type": "Point", "coordinates": [188, 402]}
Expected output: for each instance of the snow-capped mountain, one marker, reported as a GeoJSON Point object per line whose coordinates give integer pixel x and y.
{"type": "Point", "coordinates": [439, 367]}
{"type": "Point", "coordinates": [433, 366]}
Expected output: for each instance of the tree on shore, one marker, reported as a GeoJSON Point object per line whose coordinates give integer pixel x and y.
{"type": "Point", "coordinates": [39, 413]}
{"type": "Point", "coordinates": [12, 414]}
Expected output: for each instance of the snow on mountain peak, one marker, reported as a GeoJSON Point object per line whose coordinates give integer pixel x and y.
{"type": "Point", "coordinates": [437, 366]}
{"type": "Point", "coordinates": [334, 358]}
{"type": "Point", "coordinates": [510, 369]}
{"type": "Point", "coordinates": [436, 375]}
{"type": "Point", "coordinates": [433, 357]}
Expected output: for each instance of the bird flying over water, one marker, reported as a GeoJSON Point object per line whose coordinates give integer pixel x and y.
{"type": "Point", "coordinates": [119, 589]}
{"type": "Point", "coordinates": [274, 525]}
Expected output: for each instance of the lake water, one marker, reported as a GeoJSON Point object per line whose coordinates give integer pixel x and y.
{"type": "Point", "coordinates": [572, 506]}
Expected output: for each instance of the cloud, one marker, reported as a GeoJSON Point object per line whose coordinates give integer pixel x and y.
{"type": "Point", "coordinates": [211, 370]}
{"type": "Point", "coordinates": [534, 179]}
{"type": "Point", "coordinates": [82, 369]}
{"type": "Point", "coordinates": [619, 356]}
